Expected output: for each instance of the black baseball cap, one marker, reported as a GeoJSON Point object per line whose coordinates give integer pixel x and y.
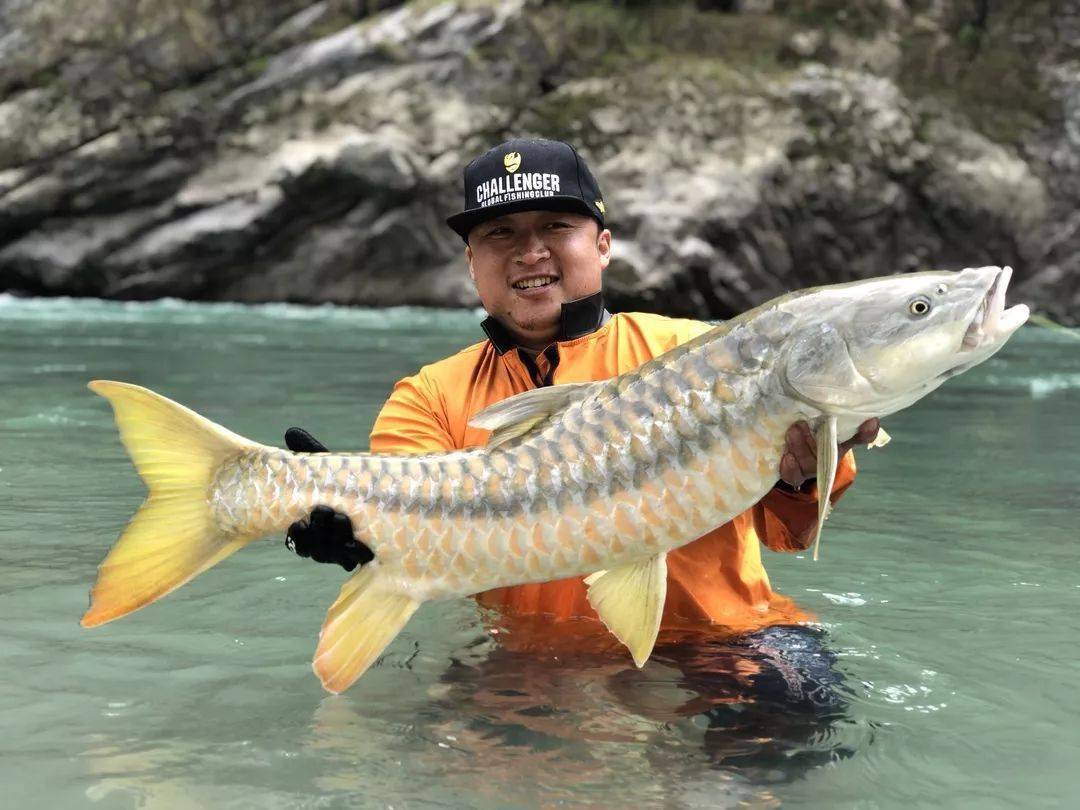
{"type": "Point", "coordinates": [527, 174]}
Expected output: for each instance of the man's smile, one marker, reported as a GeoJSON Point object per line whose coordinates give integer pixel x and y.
{"type": "Point", "coordinates": [534, 283]}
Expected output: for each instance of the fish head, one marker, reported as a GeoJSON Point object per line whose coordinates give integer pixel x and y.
{"type": "Point", "coordinates": [873, 347]}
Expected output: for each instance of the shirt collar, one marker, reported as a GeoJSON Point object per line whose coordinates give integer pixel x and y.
{"type": "Point", "coordinates": [578, 318]}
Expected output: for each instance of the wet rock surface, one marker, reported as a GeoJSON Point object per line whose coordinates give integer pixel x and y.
{"type": "Point", "coordinates": [310, 153]}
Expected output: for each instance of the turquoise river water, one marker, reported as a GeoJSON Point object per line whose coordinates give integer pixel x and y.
{"type": "Point", "coordinates": [949, 588]}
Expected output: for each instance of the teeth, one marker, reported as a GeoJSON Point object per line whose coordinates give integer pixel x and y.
{"type": "Point", "coordinates": [533, 282]}
{"type": "Point", "coordinates": [992, 314]}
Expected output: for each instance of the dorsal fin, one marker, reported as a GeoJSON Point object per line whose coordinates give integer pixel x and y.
{"type": "Point", "coordinates": [519, 414]}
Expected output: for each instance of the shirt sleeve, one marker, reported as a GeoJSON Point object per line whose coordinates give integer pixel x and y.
{"type": "Point", "coordinates": [412, 421]}
{"type": "Point", "coordinates": [785, 521]}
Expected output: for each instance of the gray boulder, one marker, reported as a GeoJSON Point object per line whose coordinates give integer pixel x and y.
{"type": "Point", "coordinates": [311, 152]}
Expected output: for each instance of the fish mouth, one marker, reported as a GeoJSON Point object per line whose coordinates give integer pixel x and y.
{"type": "Point", "coordinates": [993, 323]}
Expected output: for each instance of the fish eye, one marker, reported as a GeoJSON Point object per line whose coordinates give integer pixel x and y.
{"type": "Point", "coordinates": [942, 289]}
{"type": "Point", "coordinates": [919, 306]}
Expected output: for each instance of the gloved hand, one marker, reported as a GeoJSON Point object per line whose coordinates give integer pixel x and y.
{"type": "Point", "coordinates": [326, 536]}
{"type": "Point", "coordinates": [300, 441]}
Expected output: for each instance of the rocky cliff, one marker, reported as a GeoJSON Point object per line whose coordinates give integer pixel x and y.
{"type": "Point", "coordinates": [310, 151]}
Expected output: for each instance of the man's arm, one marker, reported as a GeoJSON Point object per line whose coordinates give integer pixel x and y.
{"type": "Point", "coordinates": [786, 517]}
{"type": "Point", "coordinates": [324, 536]}
{"type": "Point", "coordinates": [407, 424]}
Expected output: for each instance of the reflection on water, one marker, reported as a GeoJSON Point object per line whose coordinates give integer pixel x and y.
{"type": "Point", "coordinates": [590, 725]}
{"type": "Point", "coordinates": [948, 590]}
{"type": "Point", "coordinates": [765, 705]}
{"type": "Point", "coordinates": [749, 713]}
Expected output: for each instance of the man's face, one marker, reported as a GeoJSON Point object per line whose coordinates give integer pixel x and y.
{"type": "Point", "coordinates": [526, 265]}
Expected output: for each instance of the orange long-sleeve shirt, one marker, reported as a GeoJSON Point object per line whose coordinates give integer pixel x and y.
{"type": "Point", "coordinates": [717, 579]}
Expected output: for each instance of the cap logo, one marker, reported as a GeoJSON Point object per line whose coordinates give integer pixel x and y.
{"type": "Point", "coordinates": [512, 161]}
{"type": "Point", "coordinates": [600, 206]}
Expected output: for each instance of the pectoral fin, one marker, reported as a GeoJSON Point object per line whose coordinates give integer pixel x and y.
{"type": "Point", "coordinates": [362, 622]}
{"type": "Point", "coordinates": [827, 459]}
{"type": "Point", "coordinates": [630, 601]}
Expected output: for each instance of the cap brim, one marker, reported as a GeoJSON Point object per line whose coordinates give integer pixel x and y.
{"type": "Point", "coordinates": [467, 220]}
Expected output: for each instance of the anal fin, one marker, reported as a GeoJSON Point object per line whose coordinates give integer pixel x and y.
{"type": "Point", "coordinates": [360, 624]}
{"type": "Point", "coordinates": [630, 601]}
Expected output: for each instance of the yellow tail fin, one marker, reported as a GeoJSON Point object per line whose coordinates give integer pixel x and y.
{"type": "Point", "coordinates": [172, 537]}
{"type": "Point", "coordinates": [359, 625]}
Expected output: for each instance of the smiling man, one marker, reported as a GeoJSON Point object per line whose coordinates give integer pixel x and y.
{"type": "Point", "coordinates": [536, 245]}
{"type": "Point", "coordinates": [527, 265]}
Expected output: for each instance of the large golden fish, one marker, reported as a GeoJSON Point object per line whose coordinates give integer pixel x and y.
{"type": "Point", "coordinates": [596, 478]}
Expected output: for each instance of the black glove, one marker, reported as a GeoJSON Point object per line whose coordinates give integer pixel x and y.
{"type": "Point", "coordinates": [326, 536]}
{"type": "Point", "coordinates": [300, 441]}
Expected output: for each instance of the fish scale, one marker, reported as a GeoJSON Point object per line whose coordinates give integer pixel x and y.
{"type": "Point", "coordinates": [670, 422]}
{"type": "Point", "coordinates": [594, 478]}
